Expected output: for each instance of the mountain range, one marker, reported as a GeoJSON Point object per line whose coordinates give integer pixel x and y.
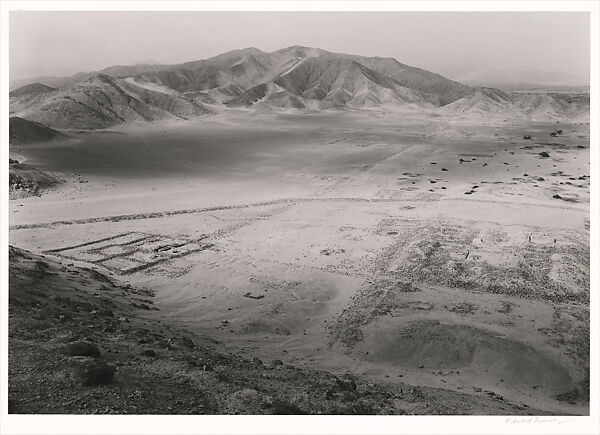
{"type": "Point", "coordinates": [300, 78]}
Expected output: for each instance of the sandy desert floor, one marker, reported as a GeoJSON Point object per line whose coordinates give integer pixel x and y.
{"type": "Point", "coordinates": [396, 247]}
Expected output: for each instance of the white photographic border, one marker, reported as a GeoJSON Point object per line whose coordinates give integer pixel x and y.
{"type": "Point", "coordinates": [153, 424]}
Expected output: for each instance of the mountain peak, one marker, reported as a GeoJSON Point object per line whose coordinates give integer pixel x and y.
{"type": "Point", "coordinates": [300, 51]}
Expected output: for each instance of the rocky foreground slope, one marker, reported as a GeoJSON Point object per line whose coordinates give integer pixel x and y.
{"type": "Point", "coordinates": [81, 343]}
{"type": "Point", "coordinates": [300, 78]}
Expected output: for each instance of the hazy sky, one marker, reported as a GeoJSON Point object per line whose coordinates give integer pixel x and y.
{"type": "Point", "coordinates": [460, 45]}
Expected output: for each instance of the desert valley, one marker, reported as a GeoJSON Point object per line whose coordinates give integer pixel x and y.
{"type": "Point", "coordinates": [297, 231]}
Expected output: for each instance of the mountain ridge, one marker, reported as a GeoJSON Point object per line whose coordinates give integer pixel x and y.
{"type": "Point", "coordinates": [294, 77]}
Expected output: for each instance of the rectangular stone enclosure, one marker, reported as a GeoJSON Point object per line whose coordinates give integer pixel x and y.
{"type": "Point", "coordinates": [133, 251]}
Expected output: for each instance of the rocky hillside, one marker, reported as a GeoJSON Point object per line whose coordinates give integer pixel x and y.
{"type": "Point", "coordinates": [304, 75]}
{"type": "Point", "coordinates": [103, 101]}
{"type": "Point", "coordinates": [25, 180]}
{"type": "Point", "coordinates": [31, 89]}
{"type": "Point", "coordinates": [117, 71]}
{"type": "Point", "coordinates": [554, 106]}
{"type": "Point", "coordinates": [82, 343]}
{"type": "Point", "coordinates": [487, 102]}
{"type": "Point", "coordinates": [294, 77]}
{"type": "Point", "coordinates": [23, 131]}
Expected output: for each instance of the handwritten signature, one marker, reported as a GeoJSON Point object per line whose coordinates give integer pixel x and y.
{"type": "Point", "coordinates": [534, 420]}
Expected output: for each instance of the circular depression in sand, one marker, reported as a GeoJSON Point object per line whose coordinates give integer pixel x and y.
{"type": "Point", "coordinates": [430, 344]}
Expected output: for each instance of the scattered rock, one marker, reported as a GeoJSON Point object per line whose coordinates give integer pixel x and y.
{"type": "Point", "coordinates": [245, 401]}
{"type": "Point", "coordinates": [570, 397]}
{"type": "Point", "coordinates": [249, 295]}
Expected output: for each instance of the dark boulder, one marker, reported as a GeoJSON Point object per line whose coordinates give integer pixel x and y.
{"type": "Point", "coordinates": [82, 348]}
{"type": "Point", "coordinates": [346, 383]}
{"type": "Point", "coordinates": [275, 364]}
{"type": "Point", "coordinates": [88, 371]}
